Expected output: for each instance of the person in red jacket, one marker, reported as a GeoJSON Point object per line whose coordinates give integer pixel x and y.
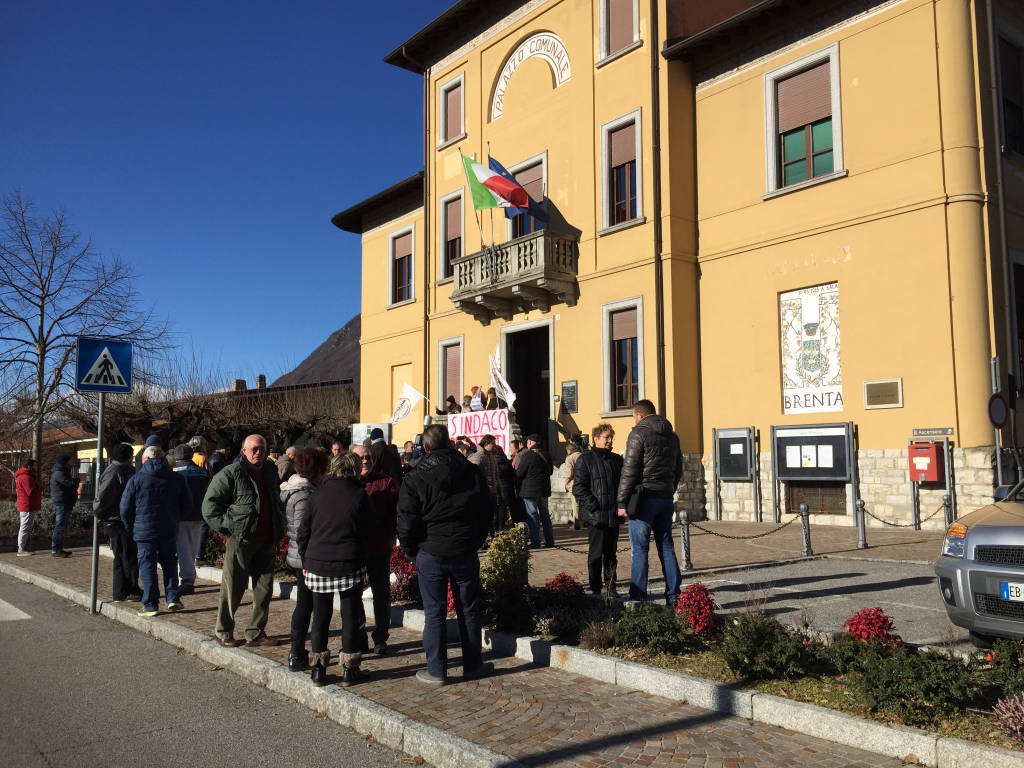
{"type": "Point", "coordinates": [30, 499]}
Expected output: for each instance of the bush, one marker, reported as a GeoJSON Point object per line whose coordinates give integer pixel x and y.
{"type": "Point", "coordinates": [1007, 660]}
{"type": "Point", "coordinates": [508, 559]}
{"type": "Point", "coordinates": [920, 688]}
{"type": "Point", "coordinates": [757, 647]}
{"type": "Point", "coordinates": [507, 607]}
{"type": "Point", "coordinates": [405, 586]}
{"type": "Point", "coordinates": [653, 630]}
{"type": "Point", "coordinates": [598, 635]}
{"type": "Point", "coordinates": [871, 624]}
{"type": "Point", "coordinates": [561, 591]}
{"type": "Point", "coordinates": [696, 605]}
{"type": "Point", "coordinates": [79, 517]}
{"type": "Point", "coordinates": [847, 654]}
{"type": "Point", "coordinates": [1008, 714]}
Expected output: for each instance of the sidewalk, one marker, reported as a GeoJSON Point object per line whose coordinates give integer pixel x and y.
{"type": "Point", "coordinates": [525, 714]}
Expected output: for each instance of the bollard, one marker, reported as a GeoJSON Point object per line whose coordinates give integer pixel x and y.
{"type": "Point", "coordinates": [684, 524]}
{"type": "Point", "coordinates": [862, 539]}
{"type": "Point", "coordinates": [947, 506]}
{"type": "Point", "coordinates": [805, 523]}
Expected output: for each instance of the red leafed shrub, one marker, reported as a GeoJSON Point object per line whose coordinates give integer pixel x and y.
{"type": "Point", "coordinates": [283, 546]}
{"type": "Point", "coordinates": [564, 588]}
{"type": "Point", "coordinates": [871, 624]}
{"type": "Point", "coordinates": [405, 586]}
{"type": "Point", "coordinates": [697, 606]}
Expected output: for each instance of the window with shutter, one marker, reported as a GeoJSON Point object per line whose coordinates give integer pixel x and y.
{"type": "Point", "coordinates": [618, 25]}
{"type": "Point", "coordinates": [530, 179]}
{"type": "Point", "coordinates": [625, 368]}
{"type": "Point", "coordinates": [452, 375]}
{"type": "Point", "coordinates": [622, 178]}
{"type": "Point", "coordinates": [451, 109]}
{"type": "Point", "coordinates": [804, 109]}
{"type": "Point", "coordinates": [401, 268]}
{"type": "Point", "coordinates": [452, 235]}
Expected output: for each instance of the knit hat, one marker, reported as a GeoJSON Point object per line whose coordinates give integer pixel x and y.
{"type": "Point", "coordinates": [154, 440]}
{"type": "Point", "coordinates": [182, 452]}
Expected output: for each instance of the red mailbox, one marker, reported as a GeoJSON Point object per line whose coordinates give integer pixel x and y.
{"type": "Point", "coordinates": [926, 463]}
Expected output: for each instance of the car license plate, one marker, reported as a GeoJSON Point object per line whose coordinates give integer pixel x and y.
{"type": "Point", "coordinates": [1012, 590]}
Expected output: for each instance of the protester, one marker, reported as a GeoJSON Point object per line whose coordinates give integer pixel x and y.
{"type": "Point", "coordinates": [595, 486]}
{"type": "Point", "coordinates": [408, 451]}
{"type": "Point", "coordinates": [499, 476]}
{"type": "Point", "coordinates": [493, 401]}
{"type": "Point", "coordinates": [64, 495]}
{"type": "Point", "coordinates": [219, 459]}
{"type": "Point", "coordinates": [572, 455]}
{"type": "Point", "coordinates": [190, 524]}
{"type": "Point", "coordinates": [310, 466]}
{"type": "Point", "coordinates": [243, 504]}
{"type": "Point", "coordinates": [284, 464]}
{"type": "Point", "coordinates": [151, 440]}
{"type": "Point", "coordinates": [107, 508]}
{"type": "Point", "coordinates": [200, 450]}
{"type": "Point", "coordinates": [30, 501]}
{"type": "Point", "coordinates": [450, 406]}
{"type": "Point", "coordinates": [154, 500]}
{"type": "Point", "coordinates": [332, 540]}
{"type": "Point", "coordinates": [652, 466]}
{"type": "Point", "coordinates": [515, 447]}
{"type": "Point", "coordinates": [273, 453]}
{"type": "Point", "coordinates": [385, 457]}
{"type": "Point", "coordinates": [382, 490]}
{"type": "Point", "coordinates": [533, 474]}
{"type": "Point", "coordinates": [441, 528]}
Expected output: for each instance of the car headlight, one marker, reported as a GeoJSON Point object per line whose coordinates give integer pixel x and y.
{"type": "Point", "coordinates": [955, 542]}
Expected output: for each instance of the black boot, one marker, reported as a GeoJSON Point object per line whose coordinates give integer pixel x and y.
{"type": "Point", "coordinates": [319, 672]}
{"type": "Point", "coordinates": [298, 660]}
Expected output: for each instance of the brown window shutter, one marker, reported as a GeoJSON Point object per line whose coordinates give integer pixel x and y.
{"type": "Point", "coordinates": [620, 24]}
{"type": "Point", "coordinates": [453, 112]}
{"type": "Point", "coordinates": [403, 245]}
{"type": "Point", "coordinates": [624, 324]}
{"type": "Point", "coordinates": [532, 180]}
{"type": "Point", "coordinates": [453, 219]}
{"type": "Point", "coordinates": [452, 364]}
{"type": "Point", "coordinates": [805, 98]}
{"type": "Point", "coordinates": [623, 143]}
{"type": "Point", "coordinates": [1009, 72]}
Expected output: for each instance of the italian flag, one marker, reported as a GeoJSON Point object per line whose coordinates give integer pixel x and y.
{"type": "Point", "coordinates": [491, 190]}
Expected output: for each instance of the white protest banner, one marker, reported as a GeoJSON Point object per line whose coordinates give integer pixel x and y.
{"type": "Point", "coordinates": [476, 424]}
{"type": "Point", "coordinates": [504, 391]}
{"type": "Point", "coordinates": [406, 402]}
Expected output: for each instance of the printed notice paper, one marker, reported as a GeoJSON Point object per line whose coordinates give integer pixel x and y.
{"type": "Point", "coordinates": [825, 456]}
{"type": "Point", "coordinates": [792, 455]}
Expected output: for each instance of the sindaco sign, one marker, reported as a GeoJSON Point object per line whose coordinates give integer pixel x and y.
{"type": "Point", "coordinates": [476, 424]}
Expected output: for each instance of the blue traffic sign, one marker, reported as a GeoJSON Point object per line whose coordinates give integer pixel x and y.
{"type": "Point", "coordinates": [103, 365]}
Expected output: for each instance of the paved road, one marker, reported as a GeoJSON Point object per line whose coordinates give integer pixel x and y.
{"type": "Point", "coordinates": [84, 691]}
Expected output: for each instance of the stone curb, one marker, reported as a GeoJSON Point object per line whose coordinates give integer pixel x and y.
{"type": "Point", "coordinates": [820, 722]}
{"type": "Point", "coordinates": [366, 717]}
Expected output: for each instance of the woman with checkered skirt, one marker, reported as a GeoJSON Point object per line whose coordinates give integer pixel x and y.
{"type": "Point", "coordinates": [332, 540]}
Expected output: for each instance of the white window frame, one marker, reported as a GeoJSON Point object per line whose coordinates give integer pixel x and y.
{"type": "Point", "coordinates": [392, 236]}
{"type": "Point", "coordinates": [459, 81]}
{"type": "Point", "coordinates": [773, 180]}
{"type": "Point", "coordinates": [442, 232]}
{"type": "Point", "coordinates": [452, 341]}
{"type": "Point", "coordinates": [604, 57]}
{"type": "Point", "coordinates": [1016, 38]}
{"type": "Point", "coordinates": [542, 158]}
{"type": "Point", "coordinates": [606, 160]}
{"type": "Point", "coordinates": [637, 303]}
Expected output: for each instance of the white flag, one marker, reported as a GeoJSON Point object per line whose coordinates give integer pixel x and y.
{"type": "Point", "coordinates": [501, 387]}
{"type": "Point", "coordinates": [406, 402]}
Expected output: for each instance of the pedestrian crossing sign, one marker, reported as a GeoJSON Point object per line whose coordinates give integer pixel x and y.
{"type": "Point", "coordinates": [103, 365]}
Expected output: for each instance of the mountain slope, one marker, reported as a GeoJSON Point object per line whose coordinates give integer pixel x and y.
{"type": "Point", "coordinates": [336, 358]}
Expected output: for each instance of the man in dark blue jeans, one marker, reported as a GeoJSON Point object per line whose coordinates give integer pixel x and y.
{"type": "Point", "coordinates": [64, 495]}
{"type": "Point", "coordinates": [443, 517]}
{"type": "Point", "coordinates": [652, 466]}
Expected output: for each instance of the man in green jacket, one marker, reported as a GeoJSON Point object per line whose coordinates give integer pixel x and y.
{"type": "Point", "coordinates": [243, 505]}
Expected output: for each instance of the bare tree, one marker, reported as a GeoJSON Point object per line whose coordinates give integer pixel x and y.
{"type": "Point", "coordinates": [54, 286]}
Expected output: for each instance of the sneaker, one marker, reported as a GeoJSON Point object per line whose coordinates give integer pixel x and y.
{"type": "Point", "coordinates": [425, 677]}
{"type": "Point", "coordinates": [148, 611]}
{"type": "Point", "coordinates": [25, 553]}
{"type": "Point", "coordinates": [175, 605]}
{"type": "Point", "coordinates": [61, 553]}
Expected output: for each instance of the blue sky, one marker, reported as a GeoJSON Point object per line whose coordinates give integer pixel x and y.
{"type": "Point", "coordinates": [209, 144]}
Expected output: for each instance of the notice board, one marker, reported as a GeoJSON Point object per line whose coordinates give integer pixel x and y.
{"type": "Point", "coordinates": [814, 452]}
{"type": "Point", "coordinates": [735, 454]}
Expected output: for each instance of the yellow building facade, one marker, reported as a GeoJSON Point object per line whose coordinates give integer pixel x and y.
{"type": "Point", "coordinates": [804, 223]}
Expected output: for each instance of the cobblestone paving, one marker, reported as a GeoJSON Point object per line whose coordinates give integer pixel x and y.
{"type": "Point", "coordinates": [538, 715]}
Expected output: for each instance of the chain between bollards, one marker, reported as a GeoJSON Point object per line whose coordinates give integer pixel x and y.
{"type": "Point", "coordinates": [862, 538]}
{"type": "Point", "coordinates": [805, 523]}
{"type": "Point", "coordinates": [684, 525]}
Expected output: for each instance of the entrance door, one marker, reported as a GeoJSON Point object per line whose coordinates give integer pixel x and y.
{"type": "Point", "coordinates": [528, 374]}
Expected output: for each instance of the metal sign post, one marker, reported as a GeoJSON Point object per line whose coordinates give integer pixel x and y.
{"type": "Point", "coordinates": [102, 365]}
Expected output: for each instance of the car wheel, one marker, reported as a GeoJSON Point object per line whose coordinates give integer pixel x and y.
{"type": "Point", "coordinates": [981, 641]}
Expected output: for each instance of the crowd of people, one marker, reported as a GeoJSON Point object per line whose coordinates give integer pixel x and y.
{"type": "Point", "coordinates": [343, 510]}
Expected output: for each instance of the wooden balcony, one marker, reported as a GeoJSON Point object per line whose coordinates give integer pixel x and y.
{"type": "Point", "coordinates": [534, 271]}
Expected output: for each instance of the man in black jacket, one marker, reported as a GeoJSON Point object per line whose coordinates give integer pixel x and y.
{"type": "Point", "coordinates": [595, 486]}
{"type": "Point", "coordinates": [533, 475]}
{"type": "Point", "coordinates": [652, 466]}
{"type": "Point", "coordinates": [107, 508]}
{"type": "Point", "coordinates": [442, 522]}
{"type": "Point", "coordinates": [64, 495]}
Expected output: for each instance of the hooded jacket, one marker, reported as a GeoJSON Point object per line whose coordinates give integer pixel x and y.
{"type": "Point", "coordinates": [443, 507]}
{"type": "Point", "coordinates": [107, 504]}
{"type": "Point", "coordinates": [30, 492]}
{"type": "Point", "coordinates": [295, 493]}
{"type": "Point", "coordinates": [652, 460]}
{"type": "Point", "coordinates": [63, 487]}
{"type": "Point", "coordinates": [595, 485]}
{"type": "Point", "coordinates": [153, 502]}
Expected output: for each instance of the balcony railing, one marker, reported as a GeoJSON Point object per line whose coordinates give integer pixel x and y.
{"type": "Point", "coordinates": [534, 271]}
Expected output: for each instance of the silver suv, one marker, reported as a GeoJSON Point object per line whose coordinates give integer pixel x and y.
{"type": "Point", "coordinates": [981, 569]}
